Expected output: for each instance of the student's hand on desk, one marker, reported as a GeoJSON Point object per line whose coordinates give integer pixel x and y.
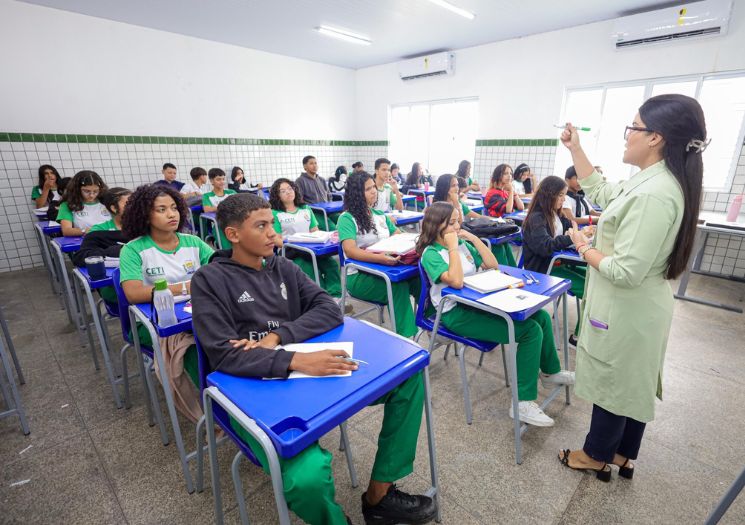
{"type": "Point", "coordinates": [322, 363]}
{"type": "Point", "coordinates": [392, 218]}
{"type": "Point", "coordinates": [390, 260]}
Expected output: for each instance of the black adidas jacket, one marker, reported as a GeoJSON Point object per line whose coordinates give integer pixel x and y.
{"type": "Point", "coordinates": [232, 301]}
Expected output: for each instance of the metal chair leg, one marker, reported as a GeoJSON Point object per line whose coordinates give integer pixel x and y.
{"type": "Point", "coordinates": [11, 348]}
{"type": "Point", "coordinates": [348, 453]}
{"type": "Point", "coordinates": [238, 486]}
{"type": "Point", "coordinates": [481, 358]}
{"type": "Point", "coordinates": [464, 380]}
{"type": "Point", "coordinates": [504, 364]}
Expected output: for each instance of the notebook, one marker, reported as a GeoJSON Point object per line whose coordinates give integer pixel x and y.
{"type": "Point", "coordinates": [513, 300]}
{"type": "Point", "coordinates": [348, 347]}
{"type": "Point", "coordinates": [404, 214]}
{"type": "Point", "coordinates": [395, 244]}
{"type": "Point", "coordinates": [319, 237]}
{"type": "Point", "coordinates": [490, 281]}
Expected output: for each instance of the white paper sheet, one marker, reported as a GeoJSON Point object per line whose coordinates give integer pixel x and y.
{"type": "Point", "coordinates": [490, 281]}
{"type": "Point", "coordinates": [404, 214]}
{"type": "Point", "coordinates": [513, 300]}
{"type": "Point", "coordinates": [305, 348]}
{"type": "Point", "coordinates": [320, 237]}
{"type": "Point", "coordinates": [395, 244]}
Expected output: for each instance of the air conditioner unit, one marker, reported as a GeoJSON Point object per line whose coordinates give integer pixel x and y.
{"type": "Point", "coordinates": [682, 22]}
{"type": "Point", "coordinates": [427, 66]}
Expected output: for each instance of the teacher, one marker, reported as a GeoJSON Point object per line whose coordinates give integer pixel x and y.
{"type": "Point", "coordinates": [644, 238]}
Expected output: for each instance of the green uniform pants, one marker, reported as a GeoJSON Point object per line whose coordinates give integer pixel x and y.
{"type": "Point", "coordinates": [536, 350]}
{"type": "Point", "coordinates": [372, 288]}
{"type": "Point", "coordinates": [577, 274]}
{"type": "Point", "coordinates": [503, 253]}
{"type": "Point", "coordinates": [328, 268]}
{"type": "Point", "coordinates": [307, 477]}
{"type": "Point", "coordinates": [333, 217]}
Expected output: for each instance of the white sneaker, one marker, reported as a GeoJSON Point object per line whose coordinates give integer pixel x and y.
{"type": "Point", "coordinates": [564, 377]}
{"type": "Point", "coordinates": [532, 414]}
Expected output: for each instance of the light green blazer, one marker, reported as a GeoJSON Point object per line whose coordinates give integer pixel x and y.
{"type": "Point", "coordinates": [620, 368]}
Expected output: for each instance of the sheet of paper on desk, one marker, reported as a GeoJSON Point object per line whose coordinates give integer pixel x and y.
{"type": "Point", "coordinates": [395, 244]}
{"type": "Point", "coordinates": [305, 348]}
{"type": "Point", "coordinates": [187, 307]}
{"type": "Point", "coordinates": [513, 300]}
{"type": "Point", "coordinates": [54, 223]}
{"type": "Point", "coordinates": [404, 214]}
{"type": "Point", "coordinates": [310, 237]}
{"type": "Point", "coordinates": [490, 281]}
{"type": "Point", "coordinates": [111, 262]}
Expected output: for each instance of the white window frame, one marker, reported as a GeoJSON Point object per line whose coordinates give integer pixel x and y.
{"type": "Point", "coordinates": [648, 84]}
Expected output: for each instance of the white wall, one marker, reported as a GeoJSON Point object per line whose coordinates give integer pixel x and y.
{"type": "Point", "coordinates": [70, 73]}
{"type": "Point", "coordinates": [520, 82]}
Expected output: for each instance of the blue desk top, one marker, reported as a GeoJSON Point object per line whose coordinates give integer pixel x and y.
{"type": "Point", "coordinates": [196, 209]}
{"type": "Point", "coordinates": [184, 319]}
{"type": "Point", "coordinates": [408, 198]}
{"type": "Point", "coordinates": [49, 230]}
{"type": "Point", "coordinates": [101, 283]}
{"type": "Point", "coordinates": [474, 195]}
{"type": "Point", "coordinates": [328, 207]}
{"type": "Point", "coordinates": [212, 215]}
{"type": "Point", "coordinates": [549, 286]}
{"type": "Point", "coordinates": [569, 254]}
{"type": "Point", "coordinates": [411, 219]}
{"type": "Point", "coordinates": [517, 216]}
{"type": "Point", "coordinates": [295, 413]}
{"type": "Point", "coordinates": [477, 209]}
{"type": "Point", "coordinates": [400, 272]}
{"type": "Point", "coordinates": [320, 249]}
{"type": "Point", "coordinates": [68, 244]}
{"type": "Point", "coordinates": [421, 192]}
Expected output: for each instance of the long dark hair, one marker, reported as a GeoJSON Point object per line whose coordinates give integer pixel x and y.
{"type": "Point", "coordinates": [415, 171]}
{"type": "Point", "coordinates": [356, 204]}
{"type": "Point", "coordinates": [235, 171]}
{"type": "Point", "coordinates": [680, 119]}
{"type": "Point", "coordinates": [136, 216]}
{"type": "Point", "coordinates": [463, 169]}
{"type": "Point", "coordinates": [412, 179]}
{"type": "Point", "coordinates": [110, 199]}
{"type": "Point", "coordinates": [442, 188]}
{"type": "Point", "coordinates": [276, 202]}
{"type": "Point", "coordinates": [73, 193]}
{"type": "Point", "coordinates": [42, 169]}
{"type": "Point", "coordinates": [496, 176]}
{"type": "Point", "coordinates": [435, 217]}
{"type": "Point", "coordinates": [341, 170]}
{"type": "Point", "coordinates": [519, 175]}
{"type": "Point", "coordinates": [544, 201]}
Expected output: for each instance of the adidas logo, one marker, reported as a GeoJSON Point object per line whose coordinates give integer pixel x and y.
{"type": "Point", "coordinates": [245, 298]}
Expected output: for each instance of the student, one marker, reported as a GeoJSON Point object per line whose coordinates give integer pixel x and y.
{"type": "Point", "coordinates": [361, 226]}
{"type": "Point", "coordinates": [80, 208]}
{"type": "Point", "coordinates": [448, 255]}
{"type": "Point", "coordinates": [313, 190]}
{"type": "Point", "coordinates": [389, 197]}
{"type": "Point", "coordinates": [198, 184]}
{"type": "Point", "coordinates": [46, 191]}
{"type": "Point", "coordinates": [54, 206]}
{"type": "Point", "coordinates": [291, 215]}
{"type": "Point", "coordinates": [523, 180]}
{"type": "Point", "coordinates": [211, 199]}
{"type": "Point", "coordinates": [576, 206]}
{"type": "Point", "coordinates": [243, 340]}
{"type": "Point", "coordinates": [169, 177]}
{"type": "Point", "coordinates": [336, 182]}
{"type": "Point", "coordinates": [415, 181]}
{"type": "Point", "coordinates": [464, 173]}
{"type": "Point", "coordinates": [239, 184]}
{"type": "Point", "coordinates": [106, 238]}
{"type": "Point", "coordinates": [396, 174]}
{"type": "Point", "coordinates": [544, 232]}
{"type": "Point", "coordinates": [501, 198]}
{"type": "Point", "coordinates": [153, 219]}
{"type": "Point", "coordinates": [358, 167]}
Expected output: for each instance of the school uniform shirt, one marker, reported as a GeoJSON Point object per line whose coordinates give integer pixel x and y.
{"type": "Point", "coordinates": [107, 226]}
{"type": "Point", "coordinates": [578, 204]}
{"type": "Point", "coordinates": [302, 220]}
{"type": "Point", "coordinates": [36, 193]}
{"type": "Point", "coordinates": [522, 187]}
{"type": "Point", "coordinates": [92, 213]}
{"type": "Point", "coordinates": [436, 261]}
{"type": "Point", "coordinates": [210, 199]}
{"type": "Point", "coordinates": [386, 199]}
{"type": "Point", "coordinates": [347, 228]}
{"type": "Point", "coordinates": [192, 187]}
{"type": "Point", "coordinates": [143, 260]}
{"type": "Point", "coordinates": [337, 185]}
{"type": "Point", "coordinates": [495, 202]}
{"type": "Point", "coordinates": [175, 184]}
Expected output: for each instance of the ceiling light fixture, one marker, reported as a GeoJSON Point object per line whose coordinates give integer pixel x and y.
{"type": "Point", "coordinates": [454, 8]}
{"type": "Point", "coordinates": [343, 34]}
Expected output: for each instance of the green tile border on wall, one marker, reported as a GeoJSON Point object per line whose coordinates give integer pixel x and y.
{"type": "Point", "coordinates": [8, 136]}
{"type": "Point", "coordinates": [480, 143]}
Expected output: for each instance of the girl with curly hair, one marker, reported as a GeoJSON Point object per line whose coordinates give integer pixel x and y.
{"type": "Point", "coordinates": [80, 208]}
{"type": "Point", "coordinates": [292, 215]}
{"type": "Point", "coordinates": [361, 226]}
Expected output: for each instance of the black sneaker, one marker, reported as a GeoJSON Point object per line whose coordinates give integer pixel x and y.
{"type": "Point", "coordinates": [573, 340]}
{"type": "Point", "coordinates": [399, 507]}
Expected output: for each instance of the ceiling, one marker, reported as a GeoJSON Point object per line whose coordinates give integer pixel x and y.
{"type": "Point", "coordinates": [398, 28]}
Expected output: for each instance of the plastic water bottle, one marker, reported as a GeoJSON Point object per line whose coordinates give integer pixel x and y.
{"type": "Point", "coordinates": [164, 304]}
{"type": "Point", "coordinates": [734, 208]}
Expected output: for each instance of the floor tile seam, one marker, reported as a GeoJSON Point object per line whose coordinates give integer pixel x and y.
{"type": "Point", "coordinates": [109, 481]}
{"type": "Point", "coordinates": [12, 460]}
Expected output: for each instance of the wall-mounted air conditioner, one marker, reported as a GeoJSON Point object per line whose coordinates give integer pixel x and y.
{"type": "Point", "coordinates": [427, 66]}
{"type": "Point", "coordinates": [682, 22]}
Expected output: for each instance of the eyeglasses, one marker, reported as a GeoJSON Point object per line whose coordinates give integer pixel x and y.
{"type": "Point", "coordinates": [634, 128]}
{"type": "Point", "coordinates": [90, 193]}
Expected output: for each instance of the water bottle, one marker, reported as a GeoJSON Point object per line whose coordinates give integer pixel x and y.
{"type": "Point", "coordinates": [164, 304]}
{"type": "Point", "coordinates": [734, 208]}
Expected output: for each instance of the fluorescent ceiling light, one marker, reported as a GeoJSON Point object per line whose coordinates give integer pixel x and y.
{"type": "Point", "coordinates": [454, 8]}
{"type": "Point", "coordinates": [343, 34]}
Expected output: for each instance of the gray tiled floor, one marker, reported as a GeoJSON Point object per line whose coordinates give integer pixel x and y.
{"type": "Point", "coordinates": [87, 462]}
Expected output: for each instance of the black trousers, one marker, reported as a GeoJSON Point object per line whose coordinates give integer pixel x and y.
{"type": "Point", "coordinates": [611, 434]}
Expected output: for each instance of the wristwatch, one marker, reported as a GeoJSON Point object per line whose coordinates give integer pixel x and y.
{"type": "Point", "coordinates": [183, 288]}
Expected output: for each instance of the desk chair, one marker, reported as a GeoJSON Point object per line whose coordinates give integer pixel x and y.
{"type": "Point", "coordinates": [11, 348]}
{"type": "Point", "coordinates": [380, 307]}
{"type": "Point", "coordinates": [426, 324]}
{"type": "Point", "coordinates": [221, 413]}
{"type": "Point", "coordinates": [10, 393]}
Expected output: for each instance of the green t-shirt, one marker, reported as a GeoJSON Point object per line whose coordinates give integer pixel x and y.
{"type": "Point", "coordinates": [108, 226]}
{"type": "Point", "coordinates": [347, 228]}
{"type": "Point", "coordinates": [302, 220]}
{"type": "Point", "coordinates": [470, 180]}
{"type": "Point", "coordinates": [210, 199]}
{"type": "Point", "coordinates": [142, 260]}
{"type": "Point", "coordinates": [386, 199]}
{"type": "Point", "coordinates": [465, 209]}
{"type": "Point", "coordinates": [436, 261]}
{"type": "Point", "coordinates": [92, 213]}
{"type": "Point", "coordinates": [35, 193]}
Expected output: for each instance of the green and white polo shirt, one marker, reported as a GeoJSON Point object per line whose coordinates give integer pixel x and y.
{"type": "Point", "coordinates": [92, 213]}
{"type": "Point", "coordinates": [210, 199]}
{"type": "Point", "coordinates": [386, 199]}
{"type": "Point", "coordinates": [302, 220]}
{"type": "Point", "coordinates": [36, 193]}
{"type": "Point", "coordinates": [108, 226]}
{"type": "Point", "coordinates": [436, 261]}
{"type": "Point", "coordinates": [347, 228]}
{"type": "Point", "coordinates": [143, 260]}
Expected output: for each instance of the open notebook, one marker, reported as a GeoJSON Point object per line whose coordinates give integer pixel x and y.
{"type": "Point", "coordinates": [490, 281]}
{"type": "Point", "coordinates": [395, 244]}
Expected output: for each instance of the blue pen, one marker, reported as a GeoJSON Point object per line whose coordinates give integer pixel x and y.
{"type": "Point", "coordinates": [529, 278]}
{"type": "Point", "coordinates": [535, 281]}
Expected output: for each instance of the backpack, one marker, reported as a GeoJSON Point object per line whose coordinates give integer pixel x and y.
{"type": "Point", "coordinates": [484, 227]}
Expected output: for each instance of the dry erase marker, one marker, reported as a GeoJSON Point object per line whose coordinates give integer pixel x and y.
{"type": "Point", "coordinates": [578, 128]}
{"type": "Point", "coordinates": [518, 285]}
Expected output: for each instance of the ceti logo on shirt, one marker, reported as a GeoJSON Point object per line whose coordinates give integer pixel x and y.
{"type": "Point", "coordinates": [157, 270]}
{"type": "Point", "coordinates": [189, 267]}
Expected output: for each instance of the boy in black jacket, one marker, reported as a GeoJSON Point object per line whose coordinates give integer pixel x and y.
{"type": "Point", "coordinates": [246, 302]}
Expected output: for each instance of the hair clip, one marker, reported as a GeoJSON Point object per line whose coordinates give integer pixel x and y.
{"type": "Point", "coordinates": [699, 146]}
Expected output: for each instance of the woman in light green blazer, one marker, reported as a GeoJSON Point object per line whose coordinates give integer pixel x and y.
{"type": "Point", "coordinates": [644, 238]}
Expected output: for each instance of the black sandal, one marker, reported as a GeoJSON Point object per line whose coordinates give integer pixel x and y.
{"type": "Point", "coordinates": [624, 471]}
{"type": "Point", "coordinates": [603, 473]}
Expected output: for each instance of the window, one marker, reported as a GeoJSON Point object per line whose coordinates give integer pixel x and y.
{"type": "Point", "coordinates": [436, 134]}
{"type": "Point", "coordinates": [608, 108]}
